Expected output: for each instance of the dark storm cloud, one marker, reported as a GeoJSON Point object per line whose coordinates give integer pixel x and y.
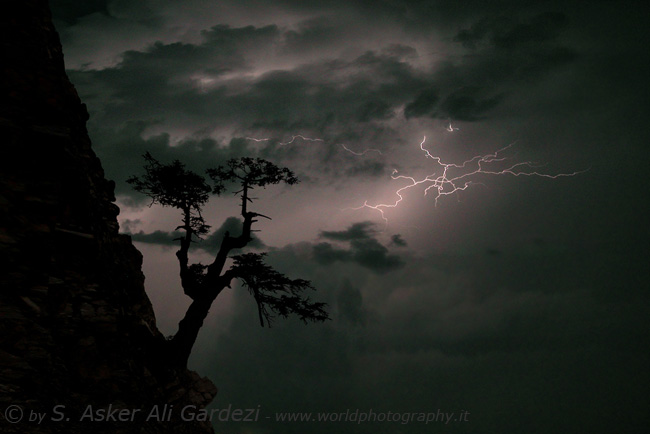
{"type": "Point", "coordinates": [234, 227]}
{"type": "Point", "coordinates": [366, 87]}
{"type": "Point", "coordinates": [520, 49]}
{"type": "Point", "coordinates": [129, 225]}
{"type": "Point", "coordinates": [115, 144]}
{"type": "Point", "coordinates": [397, 240]}
{"type": "Point", "coordinates": [157, 237]}
{"type": "Point", "coordinates": [328, 97]}
{"type": "Point", "coordinates": [364, 249]}
{"type": "Point", "coordinates": [435, 326]}
{"type": "Point", "coordinates": [505, 33]}
{"type": "Point", "coordinates": [518, 302]}
{"type": "Point", "coordinates": [503, 54]}
{"type": "Point", "coordinates": [333, 100]}
{"type": "Point", "coordinates": [312, 35]}
{"type": "Point", "coordinates": [373, 255]}
{"type": "Point", "coordinates": [423, 104]}
{"type": "Point", "coordinates": [191, 87]}
{"type": "Point", "coordinates": [69, 11]}
{"type": "Point", "coordinates": [374, 110]}
{"type": "Point", "coordinates": [367, 169]}
{"type": "Point", "coordinates": [326, 253]}
{"type": "Point", "coordinates": [349, 304]}
{"type": "Point", "coordinates": [467, 104]}
{"type": "Point", "coordinates": [357, 231]}
{"type": "Point", "coordinates": [211, 243]}
{"type": "Point", "coordinates": [202, 89]}
{"type": "Point", "coordinates": [163, 71]}
{"type": "Point", "coordinates": [199, 88]}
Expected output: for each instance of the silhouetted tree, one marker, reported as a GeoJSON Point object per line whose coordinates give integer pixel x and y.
{"type": "Point", "coordinates": [275, 294]}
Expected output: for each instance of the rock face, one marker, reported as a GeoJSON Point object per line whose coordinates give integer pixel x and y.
{"type": "Point", "coordinates": [76, 327]}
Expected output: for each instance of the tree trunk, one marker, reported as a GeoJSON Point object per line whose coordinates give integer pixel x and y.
{"type": "Point", "coordinates": [181, 344]}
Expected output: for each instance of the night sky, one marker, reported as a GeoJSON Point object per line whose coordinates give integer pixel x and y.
{"type": "Point", "coordinates": [520, 299]}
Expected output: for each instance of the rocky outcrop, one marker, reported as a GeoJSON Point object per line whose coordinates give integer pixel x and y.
{"type": "Point", "coordinates": [77, 330]}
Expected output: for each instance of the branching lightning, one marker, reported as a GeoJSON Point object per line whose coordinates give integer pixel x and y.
{"type": "Point", "coordinates": [450, 178]}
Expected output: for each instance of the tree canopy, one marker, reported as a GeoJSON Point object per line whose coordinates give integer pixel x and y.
{"type": "Point", "coordinates": [172, 185]}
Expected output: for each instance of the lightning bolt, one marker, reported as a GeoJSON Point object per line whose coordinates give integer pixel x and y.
{"type": "Point", "coordinates": [360, 153]}
{"type": "Point", "coordinates": [451, 129]}
{"type": "Point", "coordinates": [443, 182]}
{"type": "Point", "coordinates": [308, 139]}
{"type": "Point", "coordinates": [293, 138]}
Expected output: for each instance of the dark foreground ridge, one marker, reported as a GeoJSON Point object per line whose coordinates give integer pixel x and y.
{"type": "Point", "coordinates": [76, 327]}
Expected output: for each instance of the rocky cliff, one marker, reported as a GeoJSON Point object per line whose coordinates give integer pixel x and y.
{"type": "Point", "coordinates": [77, 331]}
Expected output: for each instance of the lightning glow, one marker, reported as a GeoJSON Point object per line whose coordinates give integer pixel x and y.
{"type": "Point", "coordinates": [450, 178]}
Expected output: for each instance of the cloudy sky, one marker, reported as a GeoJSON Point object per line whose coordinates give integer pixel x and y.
{"type": "Point", "coordinates": [522, 299]}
